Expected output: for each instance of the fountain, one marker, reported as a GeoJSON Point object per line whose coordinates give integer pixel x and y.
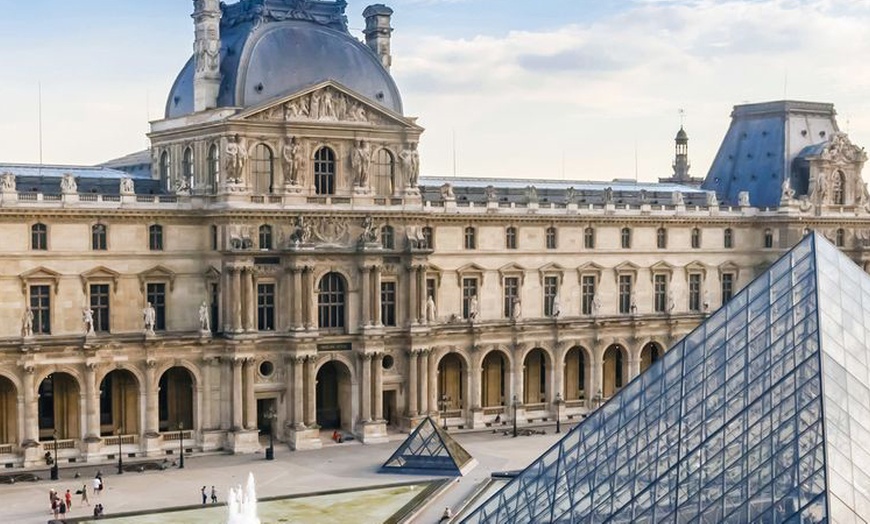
{"type": "Point", "coordinates": [242, 504]}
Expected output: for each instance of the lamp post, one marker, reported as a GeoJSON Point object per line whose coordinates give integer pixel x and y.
{"type": "Point", "coordinates": [55, 472]}
{"type": "Point", "coordinates": [443, 402]}
{"type": "Point", "coordinates": [271, 416]}
{"type": "Point", "coordinates": [558, 412]}
{"type": "Point", "coordinates": [118, 432]}
{"type": "Point", "coordinates": [181, 445]}
{"type": "Point", "coordinates": [514, 403]}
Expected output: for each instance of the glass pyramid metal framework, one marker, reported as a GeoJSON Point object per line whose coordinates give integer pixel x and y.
{"type": "Point", "coordinates": [761, 414]}
{"type": "Point", "coordinates": [429, 450]}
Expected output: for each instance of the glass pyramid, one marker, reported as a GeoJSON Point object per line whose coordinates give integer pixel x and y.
{"type": "Point", "coordinates": [761, 414]}
{"type": "Point", "coordinates": [429, 450]}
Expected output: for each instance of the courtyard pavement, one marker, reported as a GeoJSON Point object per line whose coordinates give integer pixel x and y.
{"type": "Point", "coordinates": [336, 466]}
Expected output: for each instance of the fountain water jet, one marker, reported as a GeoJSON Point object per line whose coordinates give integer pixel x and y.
{"type": "Point", "coordinates": [242, 504]}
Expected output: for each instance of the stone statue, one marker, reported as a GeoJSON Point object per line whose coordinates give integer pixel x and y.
{"type": "Point", "coordinates": [68, 184]}
{"type": "Point", "coordinates": [491, 194]}
{"type": "Point", "coordinates": [327, 107]}
{"type": "Point", "coordinates": [204, 317]}
{"type": "Point", "coordinates": [706, 302]}
{"type": "Point", "coordinates": [293, 161]}
{"type": "Point", "coordinates": [516, 308]}
{"type": "Point", "coordinates": [608, 195]}
{"type": "Point", "coordinates": [361, 162]}
{"type": "Point", "coordinates": [149, 316]}
{"type": "Point", "coordinates": [633, 305]}
{"type": "Point", "coordinates": [431, 312]}
{"type": "Point", "coordinates": [677, 198]}
{"type": "Point", "coordinates": [571, 195]}
{"type": "Point", "coordinates": [302, 234]}
{"type": "Point", "coordinates": [671, 303]}
{"type": "Point", "coordinates": [411, 163]}
{"type": "Point", "coordinates": [473, 308]}
{"type": "Point", "coordinates": [447, 192]}
{"type": "Point", "coordinates": [743, 199]}
{"type": "Point", "coordinates": [88, 320]}
{"type": "Point", "coordinates": [532, 194]}
{"type": "Point", "coordinates": [712, 200]}
{"type": "Point", "coordinates": [236, 158]}
{"type": "Point", "coordinates": [127, 186]}
{"type": "Point", "coordinates": [369, 234]}
{"type": "Point", "coordinates": [787, 192]}
{"type": "Point", "coordinates": [27, 323]}
{"type": "Point", "coordinates": [8, 182]}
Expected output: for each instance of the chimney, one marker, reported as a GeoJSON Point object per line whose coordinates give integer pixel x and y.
{"type": "Point", "coordinates": [378, 32]}
{"type": "Point", "coordinates": [206, 54]}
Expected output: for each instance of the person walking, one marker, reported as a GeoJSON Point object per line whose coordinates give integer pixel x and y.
{"type": "Point", "coordinates": [55, 506]}
{"type": "Point", "coordinates": [204, 496]}
{"type": "Point", "coordinates": [96, 483]}
{"type": "Point", "coordinates": [213, 495]}
{"type": "Point", "coordinates": [85, 495]}
{"type": "Point", "coordinates": [68, 497]}
{"type": "Point", "coordinates": [62, 510]}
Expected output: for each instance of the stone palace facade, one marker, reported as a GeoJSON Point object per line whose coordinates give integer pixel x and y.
{"type": "Point", "coordinates": [275, 262]}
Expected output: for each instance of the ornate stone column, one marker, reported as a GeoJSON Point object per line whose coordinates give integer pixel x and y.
{"type": "Point", "coordinates": [238, 423]}
{"type": "Point", "coordinates": [413, 392]}
{"type": "Point", "coordinates": [366, 387]}
{"type": "Point", "coordinates": [378, 395]}
{"type": "Point", "coordinates": [250, 398]}
{"type": "Point", "coordinates": [366, 299]}
{"type": "Point", "coordinates": [236, 300]}
{"type": "Point", "coordinates": [250, 293]}
{"type": "Point", "coordinates": [424, 382]}
{"type": "Point", "coordinates": [311, 392]}
{"type": "Point", "coordinates": [92, 403]}
{"type": "Point", "coordinates": [297, 413]}
{"type": "Point", "coordinates": [31, 421]}
{"type": "Point", "coordinates": [152, 388]}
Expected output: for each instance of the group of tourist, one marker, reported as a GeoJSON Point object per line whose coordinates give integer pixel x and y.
{"type": "Point", "coordinates": [62, 504]}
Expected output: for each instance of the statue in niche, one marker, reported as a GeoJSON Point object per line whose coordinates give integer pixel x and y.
{"type": "Point", "coordinates": [127, 186]}
{"type": "Point", "coordinates": [411, 165]}
{"type": "Point", "coordinates": [149, 317]}
{"type": "Point", "coordinates": [447, 192]}
{"type": "Point", "coordinates": [302, 233]}
{"type": "Point", "coordinates": [68, 184]}
{"type": "Point", "coordinates": [491, 194]}
{"type": "Point", "coordinates": [473, 308]}
{"type": "Point", "coordinates": [8, 182]}
{"type": "Point", "coordinates": [27, 323]}
{"type": "Point", "coordinates": [236, 158]}
{"type": "Point", "coordinates": [293, 161]}
{"type": "Point", "coordinates": [361, 162]}
{"type": "Point", "coordinates": [204, 317]}
{"type": "Point", "coordinates": [743, 199]}
{"type": "Point", "coordinates": [88, 321]}
{"type": "Point", "coordinates": [431, 311]}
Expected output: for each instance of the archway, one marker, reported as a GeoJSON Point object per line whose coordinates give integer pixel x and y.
{"type": "Point", "coordinates": [650, 353]}
{"type": "Point", "coordinates": [536, 367]}
{"type": "Point", "coordinates": [59, 412]}
{"type": "Point", "coordinates": [334, 396]}
{"type": "Point", "coordinates": [494, 379]}
{"type": "Point", "coordinates": [119, 403]}
{"type": "Point", "coordinates": [575, 373]}
{"type": "Point", "coordinates": [8, 412]}
{"type": "Point", "coordinates": [175, 399]}
{"type": "Point", "coordinates": [614, 370]}
{"type": "Point", "coordinates": [451, 383]}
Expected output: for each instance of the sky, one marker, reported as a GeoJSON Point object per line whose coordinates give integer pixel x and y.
{"type": "Point", "coordinates": [530, 89]}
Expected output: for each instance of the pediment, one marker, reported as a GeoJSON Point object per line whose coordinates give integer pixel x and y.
{"type": "Point", "coordinates": [100, 273]}
{"type": "Point", "coordinates": [552, 267]}
{"type": "Point", "coordinates": [661, 267]}
{"type": "Point", "coordinates": [590, 267]}
{"type": "Point", "coordinates": [696, 267]}
{"type": "Point", "coordinates": [511, 268]}
{"type": "Point", "coordinates": [159, 273]}
{"type": "Point", "coordinates": [729, 267]}
{"type": "Point", "coordinates": [626, 267]}
{"type": "Point", "coordinates": [469, 269]}
{"type": "Point", "coordinates": [39, 274]}
{"type": "Point", "coordinates": [326, 102]}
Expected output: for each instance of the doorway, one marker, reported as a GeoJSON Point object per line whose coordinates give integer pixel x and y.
{"type": "Point", "coordinates": [390, 408]}
{"type": "Point", "coordinates": [266, 406]}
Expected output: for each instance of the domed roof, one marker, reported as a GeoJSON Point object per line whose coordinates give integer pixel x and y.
{"type": "Point", "coordinates": [682, 136]}
{"type": "Point", "coordinates": [265, 56]}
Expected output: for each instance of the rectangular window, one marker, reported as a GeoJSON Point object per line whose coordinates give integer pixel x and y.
{"type": "Point", "coordinates": [388, 303]}
{"type": "Point", "coordinates": [551, 238]}
{"type": "Point", "coordinates": [40, 306]}
{"type": "Point", "coordinates": [551, 292]}
{"type": "Point", "coordinates": [587, 294]}
{"type": "Point", "coordinates": [510, 238]}
{"type": "Point", "coordinates": [695, 292]}
{"type": "Point", "coordinates": [511, 295]}
{"type": "Point", "coordinates": [266, 307]}
{"type": "Point", "coordinates": [660, 293]}
{"type": "Point", "coordinates": [728, 238]}
{"type": "Point", "coordinates": [214, 238]}
{"type": "Point", "coordinates": [214, 311]}
{"type": "Point", "coordinates": [100, 307]}
{"type": "Point", "coordinates": [625, 282]}
{"type": "Point", "coordinates": [662, 238]}
{"type": "Point", "coordinates": [469, 292]}
{"type": "Point", "coordinates": [98, 237]}
{"type": "Point", "coordinates": [696, 238]}
{"type": "Point", "coordinates": [156, 295]}
{"type": "Point", "coordinates": [39, 237]}
{"type": "Point", "coordinates": [625, 238]}
{"type": "Point", "coordinates": [155, 238]}
{"type": "Point", "coordinates": [470, 238]}
{"type": "Point", "coordinates": [727, 287]}
{"type": "Point", "coordinates": [589, 238]}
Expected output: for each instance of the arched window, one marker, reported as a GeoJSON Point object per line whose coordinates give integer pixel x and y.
{"type": "Point", "coordinates": [165, 170]}
{"type": "Point", "coordinates": [384, 173]}
{"type": "Point", "coordinates": [625, 238]}
{"type": "Point", "coordinates": [839, 190]}
{"type": "Point", "coordinates": [728, 238]}
{"type": "Point", "coordinates": [98, 237]}
{"type": "Point", "coordinates": [39, 237]}
{"type": "Point", "coordinates": [661, 238]}
{"type": "Point", "coordinates": [768, 238]}
{"type": "Point", "coordinates": [331, 301]}
{"type": "Point", "coordinates": [470, 238]}
{"type": "Point", "coordinates": [265, 237]}
{"type": "Point", "coordinates": [187, 167]}
{"type": "Point", "coordinates": [388, 240]}
{"type": "Point", "coordinates": [696, 238]}
{"type": "Point", "coordinates": [841, 238]}
{"type": "Point", "coordinates": [510, 238]}
{"type": "Point", "coordinates": [214, 167]}
{"type": "Point", "coordinates": [324, 171]}
{"type": "Point", "coordinates": [262, 169]}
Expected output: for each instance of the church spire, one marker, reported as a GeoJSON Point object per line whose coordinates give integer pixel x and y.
{"type": "Point", "coordinates": [206, 54]}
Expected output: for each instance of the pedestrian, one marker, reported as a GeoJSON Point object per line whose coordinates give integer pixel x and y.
{"type": "Point", "coordinates": [62, 511]}
{"type": "Point", "coordinates": [213, 495]}
{"type": "Point", "coordinates": [68, 497]}
{"type": "Point", "coordinates": [204, 496]}
{"type": "Point", "coordinates": [54, 507]}
{"type": "Point", "coordinates": [96, 484]}
{"type": "Point", "coordinates": [85, 495]}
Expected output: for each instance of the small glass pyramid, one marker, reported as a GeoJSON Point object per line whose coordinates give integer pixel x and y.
{"type": "Point", "coordinates": [761, 414]}
{"type": "Point", "coordinates": [429, 450]}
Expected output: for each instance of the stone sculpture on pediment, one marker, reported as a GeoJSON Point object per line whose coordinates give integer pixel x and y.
{"type": "Point", "coordinates": [677, 198]}
{"type": "Point", "coordinates": [301, 231]}
{"type": "Point", "coordinates": [127, 187]}
{"type": "Point", "coordinates": [68, 184]}
{"type": "Point", "coordinates": [743, 198]}
{"type": "Point", "coordinates": [327, 104]}
{"type": "Point", "coordinates": [841, 149]}
{"type": "Point", "coordinates": [532, 194]}
{"type": "Point", "coordinates": [712, 200]}
{"type": "Point", "coordinates": [447, 192]}
{"type": "Point", "coordinates": [236, 154]}
{"type": "Point", "coordinates": [491, 194]}
{"type": "Point", "coordinates": [608, 195]}
{"type": "Point", "coordinates": [7, 182]}
{"type": "Point", "coordinates": [571, 195]}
